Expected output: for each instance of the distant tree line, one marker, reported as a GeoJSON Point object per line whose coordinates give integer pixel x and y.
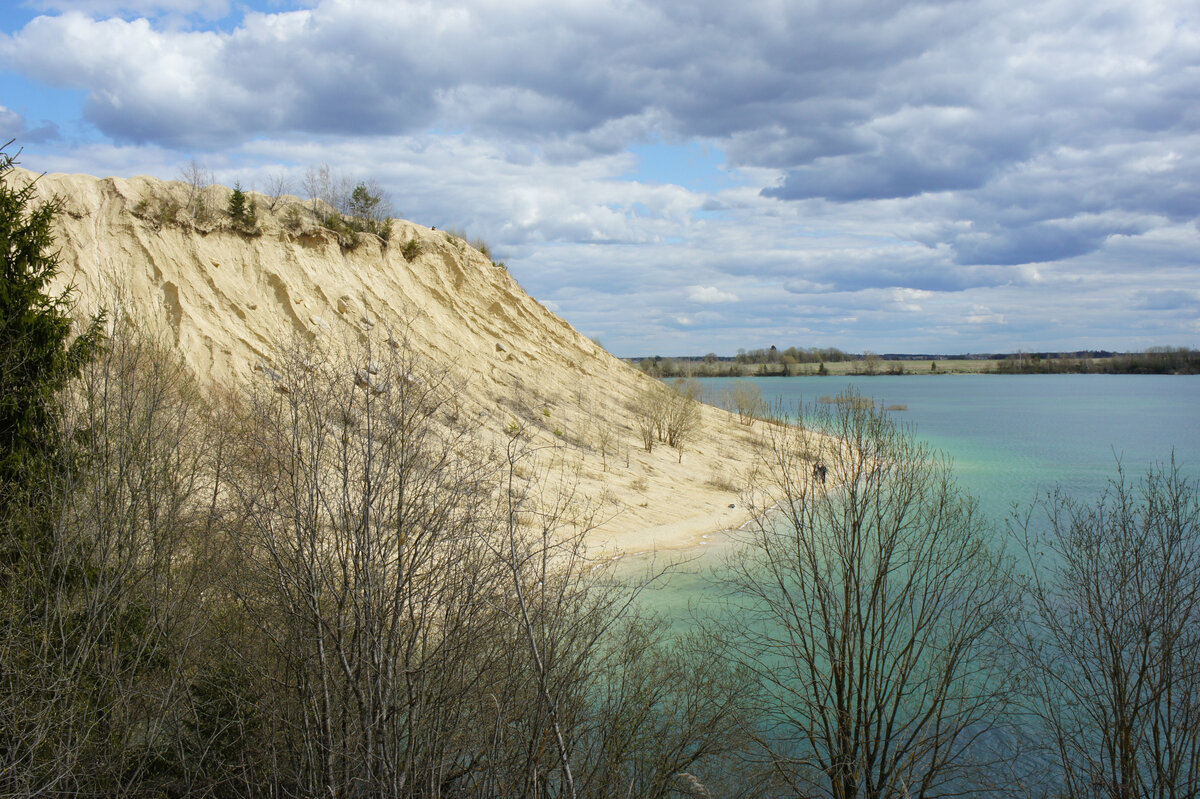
{"type": "Point", "coordinates": [1154, 361]}
{"type": "Point", "coordinates": [760, 363]}
{"type": "Point", "coordinates": [793, 361]}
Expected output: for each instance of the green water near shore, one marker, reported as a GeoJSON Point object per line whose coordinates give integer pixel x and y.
{"type": "Point", "coordinates": [1011, 439]}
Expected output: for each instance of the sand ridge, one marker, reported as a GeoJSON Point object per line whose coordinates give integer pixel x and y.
{"type": "Point", "coordinates": [226, 298]}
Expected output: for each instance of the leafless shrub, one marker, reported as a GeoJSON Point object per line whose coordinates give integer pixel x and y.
{"type": "Point", "coordinates": [872, 616]}
{"type": "Point", "coordinates": [1113, 642]}
{"type": "Point", "coordinates": [361, 525]}
{"type": "Point", "coordinates": [277, 187]}
{"type": "Point", "coordinates": [198, 179]}
{"type": "Point", "coordinates": [105, 649]}
{"type": "Point", "coordinates": [746, 399]}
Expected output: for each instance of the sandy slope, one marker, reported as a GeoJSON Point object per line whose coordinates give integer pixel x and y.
{"type": "Point", "coordinates": [227, 299]}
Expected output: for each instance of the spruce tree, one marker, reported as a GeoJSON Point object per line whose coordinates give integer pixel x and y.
{"type": "Point", "coordinates": [38, 354]}
{"type": "Point", "coordinates": [241, 209]}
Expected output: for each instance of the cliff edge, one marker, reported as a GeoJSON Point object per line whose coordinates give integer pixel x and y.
{"type": "Point", "coordinates": [228, 298]}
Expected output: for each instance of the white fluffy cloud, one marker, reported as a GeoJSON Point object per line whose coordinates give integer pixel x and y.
{"type": "Point", "coordinates": [886, 164]}
{"type": "Point", "coordinates": [710, 295]}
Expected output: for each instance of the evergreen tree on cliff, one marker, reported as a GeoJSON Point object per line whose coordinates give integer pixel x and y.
{"type": "Point", "coordinates": [38, 354]}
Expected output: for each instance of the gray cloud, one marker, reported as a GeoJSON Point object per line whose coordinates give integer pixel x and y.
{"type": "Point", "coordinates": [1052, 240]}
{"type": "Point", "coordinates": [985, 152]}
{"type": "Point", "coordinates": [1168, 300]}
{"type": "Point", "coordinates": [15, 126]}
{"type": "Point", "coordinates": [854, 102]}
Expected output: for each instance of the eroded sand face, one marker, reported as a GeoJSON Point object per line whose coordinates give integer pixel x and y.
{"type": "Point", "coordinates": [228, 300]}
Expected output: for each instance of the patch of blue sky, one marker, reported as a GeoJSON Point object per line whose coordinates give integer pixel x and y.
{"type": "Point", "coordinates": [693, 165]}
{"type": "Point", "coordinates": [197, 15]}
{"type": "Point", "coordinates": [275, 6]}
{"type": "Point", "coordinates": [237, 12]}
{"type": "Point", "coordinates": [14, 16]}
{"type": "Point", "coordinates": [36, 101]}
{"type": "Point", "coordinates": [46, 110]}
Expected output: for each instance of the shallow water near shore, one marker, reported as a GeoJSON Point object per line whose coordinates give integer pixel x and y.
{"type": "Point", "coordinates": [1011, 439]}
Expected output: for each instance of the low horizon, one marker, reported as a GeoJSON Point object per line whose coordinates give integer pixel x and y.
{"type": "Point", "coordinates": [1086, 351]}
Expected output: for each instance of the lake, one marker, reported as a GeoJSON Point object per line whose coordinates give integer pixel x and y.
{"type": "Point", "coordinates": [1011, 438]}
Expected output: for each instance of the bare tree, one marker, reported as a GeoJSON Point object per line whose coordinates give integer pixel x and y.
{"type": "Point", "coordinates": [326, 191]}
{"type": "Point", "coordinates": [871, 362]}
{"type": "Point", "coordinates": [362, 573]}
{"type": "Point", "coordinates": [198, 179]}
{"type": "Point", "coordinates": [102, 656]}
{"type": "Point", "coordinates": [607, 440]}
{"type": "Point", "coordinates": [1113, 646]}
{"type": "Point", "coordinates": [669, 414]}
{"type": "Point", "coordinates": [624, 709]}
{"type": "Point", "coordinates": [682, 417]}
{"type": "Point", "coordinates": [746, 399]}
{"type": "Point", "coordinates": [870, 613]}
{"type": "Point", "coordinates": [649, 410]}
{"type": "Point", "coordinates": [277, 186]}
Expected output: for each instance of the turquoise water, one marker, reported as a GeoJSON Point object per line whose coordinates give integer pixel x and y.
{"type": "Point", "coordinates": [1011, 438]}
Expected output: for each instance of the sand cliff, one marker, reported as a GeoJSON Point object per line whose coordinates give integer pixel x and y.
{"type": "Point", "coordinates": [227, 299]}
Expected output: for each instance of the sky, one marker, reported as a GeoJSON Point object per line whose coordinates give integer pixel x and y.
{"type": "Point", "coordinates": [676, 177]}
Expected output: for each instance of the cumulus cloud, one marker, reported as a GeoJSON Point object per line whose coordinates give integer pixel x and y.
{"type": "Point", "coordinates": [982, 315]}
{"type": "Point", "coordinates": [893, 158]}
{"type": "Point", "coordinates": [710, 295]}
{"type": "Point", "coordinates": [11, 123]}
{"type": "Point", "coordinates": [15, 126]}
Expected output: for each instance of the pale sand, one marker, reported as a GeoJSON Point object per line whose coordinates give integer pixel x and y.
{"type": "Point", "coordinates": [683, 534]}
{"type": "Point", "coordinates": [225, 300]}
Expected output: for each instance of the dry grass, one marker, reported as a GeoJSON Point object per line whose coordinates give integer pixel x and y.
{"type": "Point", "coordinates": [719, 478]}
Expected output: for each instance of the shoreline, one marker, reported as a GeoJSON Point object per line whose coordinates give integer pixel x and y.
{"type": "Point", "coordinates": [681, 535]}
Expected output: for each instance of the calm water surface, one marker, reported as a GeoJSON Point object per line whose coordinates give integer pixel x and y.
{"type": "Point", "coordinates": [1011, 437]}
